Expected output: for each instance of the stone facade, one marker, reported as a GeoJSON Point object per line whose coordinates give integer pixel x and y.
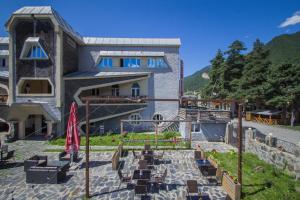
{"type": "Point", "coordinates": [270, 154]}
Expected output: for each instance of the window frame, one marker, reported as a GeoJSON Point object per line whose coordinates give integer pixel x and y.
{"type": "Point", "coordinates": [29, 49]}
{"type": "Point", "coordinates": [3, 62]}
{"type": "Point", "coordinates": [157, 120]}
{"type": "Point", "coordinates": [23, 79]}
{"type": "Point", "coordinates": [108, 62]}
{"type": "Point", "coordinates": [115, 90]}
{"type": "Point", "coordinates": [135, 90]}
{"type": "Point", "coordinates": [152, 63]}
{"type": "Point", "coordinates": [133, 123]}
{"type": "Point", "coordinates": [135, 64]}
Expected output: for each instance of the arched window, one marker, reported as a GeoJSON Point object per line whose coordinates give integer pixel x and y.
{"type": "Point", "coordinates": [115, 90]}
{"type": "Point", "coordinates": [158, 117]}
{"type": "Point", "coordinates": [135, 90]}
{"type": "Point", "coordinates": [135, 116]}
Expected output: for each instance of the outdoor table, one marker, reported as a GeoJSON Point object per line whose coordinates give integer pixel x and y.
{"type": "Point", "coordinates": [65, 165]}
{"type": "Point", "coordinates": [145, 175]}
{"type": "Point", "coordinates": [147, 153]}
{"type": "Point", "coordinates": [203, 163]}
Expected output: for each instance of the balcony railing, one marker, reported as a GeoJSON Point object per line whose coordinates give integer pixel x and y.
{"type": "Point", "coordinates": [3, 99]}
{"type": "Point", "coordinates": [114, 99]}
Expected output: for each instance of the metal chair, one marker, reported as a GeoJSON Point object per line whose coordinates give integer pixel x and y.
{"type": "Point", "coordinates": [124, 179]}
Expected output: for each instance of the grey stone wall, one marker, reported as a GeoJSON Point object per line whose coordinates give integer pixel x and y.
{"type": "Point", "coordinates": [272, 155]}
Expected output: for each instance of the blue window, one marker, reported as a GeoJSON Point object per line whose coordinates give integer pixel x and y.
{"type": "Point", "coordinates": [135, 90]}
{"type": "Point", "coordinates": [105, 62]}
{"type": "Point", "coordinates": [131, 62]}
{"type": "Point", "coordinates": [36, 52]}
{"type": "Point", "coordinates": [156, 63]}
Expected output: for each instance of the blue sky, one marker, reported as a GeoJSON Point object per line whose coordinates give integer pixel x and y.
{"type": "Point", "coordinates": [203, 25]}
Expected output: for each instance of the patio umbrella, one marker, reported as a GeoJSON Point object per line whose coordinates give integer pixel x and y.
{"type": "Point", "coordinates": [73, 138]}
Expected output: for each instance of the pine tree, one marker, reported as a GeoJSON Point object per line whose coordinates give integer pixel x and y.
{"type": "Point", "coordinates": [253, 82]}
{"type": "Point", "coordinates": [214, 88]}
{"type": "Point", "coordinates": [283, 89]}
{"type": "Point", "coordinates": [233, 69]}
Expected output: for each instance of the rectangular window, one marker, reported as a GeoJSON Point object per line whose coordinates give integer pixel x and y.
{"type": "Point", "coordinates": [105, 62]}
{"type": "Point", "coordinates": [3, 62]}
{"type": "Point", "coordinates": [156, 63]}
{"type": "Point", "coordinates": [96, 92]}
{"type": "Point", "coordinates": [131, 62]}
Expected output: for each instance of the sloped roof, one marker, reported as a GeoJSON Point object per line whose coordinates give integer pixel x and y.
{"type": "Point", "coordinates": [131, 53]}
{"type": "Point", "coordinates": [4, 73]}
{"type": "Point", "coordinates": [4, 52]}
{"type": "Point", "coordinates": [4, 40]}
{"type": "Point", "coordinates": [90, 74]}
{"type": "Point", "coordinates": [48, 10]}
{"type": "Point", "coordinates": [132, 41]}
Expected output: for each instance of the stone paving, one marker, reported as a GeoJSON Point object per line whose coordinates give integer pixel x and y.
{"type": "Point", "coordinates": [104, 181]}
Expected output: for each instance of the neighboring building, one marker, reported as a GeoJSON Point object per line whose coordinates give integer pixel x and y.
{"type": "Point", "coordinates": [46, 65]}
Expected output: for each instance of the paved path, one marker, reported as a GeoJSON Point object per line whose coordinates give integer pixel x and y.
{"type": "Point", "coordinates": [104, 181]}
{"type": "Point", "coordinates": [281, 133]}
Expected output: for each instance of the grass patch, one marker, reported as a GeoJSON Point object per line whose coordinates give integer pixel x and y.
{"type": "Point", "coordinates": [260, 180]}
{"type": "Point", "coordinates": [116, 139]}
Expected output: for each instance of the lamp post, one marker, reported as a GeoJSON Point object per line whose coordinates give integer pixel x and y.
{"type": "Point", "coordinates": [87, 151]}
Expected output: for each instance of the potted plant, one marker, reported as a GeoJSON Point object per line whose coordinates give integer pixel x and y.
{"type": "Point", "coordinates": [231, 185]}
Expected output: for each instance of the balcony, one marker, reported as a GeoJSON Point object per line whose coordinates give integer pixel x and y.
{"type": "Point", "coordinates": [114, 99]}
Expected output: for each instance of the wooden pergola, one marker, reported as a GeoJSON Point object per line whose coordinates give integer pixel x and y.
{"type": "Point", "coordinates": [88, 100]}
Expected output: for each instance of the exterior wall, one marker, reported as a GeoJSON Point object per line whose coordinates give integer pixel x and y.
{"type": "Point", "coordinates": [163, 83]}
{"type": "Point", "coordinates": [209, 131]}
{"type": "Point", "coordinates": [70, 54]}
{"type": "Point", "coordinates": [96, 111]}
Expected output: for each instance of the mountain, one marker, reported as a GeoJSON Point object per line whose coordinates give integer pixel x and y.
{"type": "Point", "coordinates": [285, 47]}
{"type": "Point", "coordinates": [197, 80]}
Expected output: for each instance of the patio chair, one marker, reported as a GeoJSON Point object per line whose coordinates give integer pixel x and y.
{"type": "Point", "coordinates": [149, 159]}
{"type": "Point", "coordinates": [124, 179]}
{"type": "Point", "coordinates": [141, 190]}
{"type": "Point", "coordinates": [135, 155]}
{"type": "Point", "coordinates": [192, 187]}
{"type": "Point", "coordinates": [143, 164]}
{"type": "Point", "coordinates": [159, 178]}
{"type": "Point", "coordinates": [159, 155]}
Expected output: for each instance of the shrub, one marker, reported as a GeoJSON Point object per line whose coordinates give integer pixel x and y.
{"type": "Point", "coordinates": [169, 135]}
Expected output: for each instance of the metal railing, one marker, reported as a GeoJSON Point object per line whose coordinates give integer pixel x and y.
{"type": "Point", "coordinates": [115, 99]}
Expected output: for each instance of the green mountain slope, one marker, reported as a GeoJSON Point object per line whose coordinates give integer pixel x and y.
{"type": "Point", "coordinates": [196, 81]}
{"type": "Point", "coordinates": [285, 47]}
{"type": "Point", "coordinates": [282, 48]}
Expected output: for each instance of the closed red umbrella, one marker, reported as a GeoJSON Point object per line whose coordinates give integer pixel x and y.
{"type": "Point", "coordinates": [72, 138]}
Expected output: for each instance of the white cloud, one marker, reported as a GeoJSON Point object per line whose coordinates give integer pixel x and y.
{"type": "Point", "coordinates": [295, 19]}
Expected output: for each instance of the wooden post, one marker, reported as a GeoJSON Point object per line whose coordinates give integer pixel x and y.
{"type": "Point", "coordinates": [87, 151]}
{"type": "Point", "coordinates": [240, 145]}
{"type": "Point", "coordinates": [156, 127]}
{"type": "Point", "coordinates": [190, 133]}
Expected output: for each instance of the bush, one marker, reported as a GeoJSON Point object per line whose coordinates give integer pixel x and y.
{"type": "Point", "coordinates": [169, 135]}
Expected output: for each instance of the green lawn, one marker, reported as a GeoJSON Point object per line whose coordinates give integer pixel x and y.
{"type": "Point", "coordinates": [115, 139]}
{"type": "Point", "coordinates": [267, 183]}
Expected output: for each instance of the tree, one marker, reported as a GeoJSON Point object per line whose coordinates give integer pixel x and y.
{"type": "Point", "coordinates": [283, 88]}
{"type": "Point", "coordinates": [253, 82]}
{"type": "Point", "coordinates": [233, 69]}
{"type": "Point", "coordinates": [214, 88]}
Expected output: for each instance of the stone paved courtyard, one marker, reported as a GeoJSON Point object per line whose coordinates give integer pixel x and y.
{"type": "Point", "coordinates": [104, 181]}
